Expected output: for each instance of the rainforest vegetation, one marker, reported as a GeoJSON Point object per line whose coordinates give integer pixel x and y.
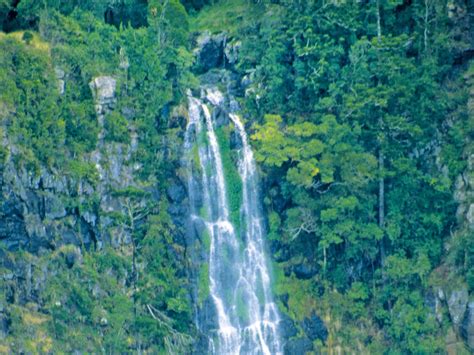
{"type": "Point", "coordinates": [360, 116]}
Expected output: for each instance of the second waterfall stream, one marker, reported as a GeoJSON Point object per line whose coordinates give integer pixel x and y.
{"type": "Point", "coordinates": [238, 275]}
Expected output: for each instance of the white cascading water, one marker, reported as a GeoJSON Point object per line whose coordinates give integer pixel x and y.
{"type": "Point", "coordinates": [239, 279]}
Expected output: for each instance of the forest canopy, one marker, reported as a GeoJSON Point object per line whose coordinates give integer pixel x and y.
{"type": "Point", "coordinates": [361, 120]}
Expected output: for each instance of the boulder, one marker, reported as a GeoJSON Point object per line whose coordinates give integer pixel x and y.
{"type": "Point", "coordinates": [177, 211]}
{"type": "Point", "coordinates": [248, 79]}
{"type": "Point", "coordinates": [212, 78]}
{"type": "Point", "coordinates": [234, 105]}
{"type": "Point", "coordinates": [199, 227]}
{"type": "Point", "coordinates": [36, 230]}
{"type": "Point", "coordinates": [128, 112]}
{"type": "Point", "coordinates": [69, 236]}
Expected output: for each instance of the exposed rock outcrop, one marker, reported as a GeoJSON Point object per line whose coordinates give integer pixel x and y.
{"type": "Point", "coordinates": [305, 271]}
{"type": "Point", "coordinates": [103, 88]}
{"type": "Point", "coordinates": [209, 51]}
{"type": "Point", "coordinates": [215, 51]}
{"type": "Point", "coordinates": [457, 303]}
{"type": "Point", "coordinates": [460, 304]}
{"type": "Point", "coordinates": [231, 51]}
{"type": "Point", "coordinates": [36, 210]}
{"type": "Point", "coordinates": [60, 76]}
{"type": "Point", "coordinates": [464, 195]}
{"type": "Point", "coordinates": [298, 346]}
{"type": "Point", "coordinates": [314, 328]}
{"type": "Point", "coordinates": [467, 326]}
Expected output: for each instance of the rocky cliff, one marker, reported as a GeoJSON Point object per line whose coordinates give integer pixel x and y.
{"type": "Point", "coordinates": [452, 299]}
{"type": "Point", "coordinates": [58, 221]}
{"type": "Point", "coordinates": [37, 210]}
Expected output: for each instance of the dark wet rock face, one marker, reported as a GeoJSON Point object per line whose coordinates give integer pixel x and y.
{"type": "Point", "coordinates": [287, 326]}
{"type": "Point", "coordinates": [314, 328]}
{"type": "Point", "coordinates": [209, 52]}
{"type": "Point", "coordinates": [3, 325]}
{"type": "Point", "coordinates": [311, 328]}
{"type": "Point", "coordinates": [304, 271]}
{"type": "Point", "coordinates": [12, 225]}
{"type": "Point", "coordinates": [208, 316]}
{"type": "Point", "coordinates": [176, 193]}
{"type": "Point", "coordinates": [72, 257]}
{"type": "Point", "coordinates": [36, 209]}
{"type": "Point", "coordinates": [207, 320]}
{"type": "Point", "coordinates": [298, 346]}
{"type": "Point", "coordinates": [235, 141]}
{"type": "Point", "coordinates": [220, 117]}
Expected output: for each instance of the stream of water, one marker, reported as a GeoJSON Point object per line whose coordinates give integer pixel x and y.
{"type": "Point", "coordinates": [239, 278]}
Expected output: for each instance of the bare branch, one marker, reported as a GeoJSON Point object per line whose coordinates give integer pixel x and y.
{"type": "Point", "coordinates": [308, 224]}
{"type": "Point", "coordinates": [175, 342]}
{"type": "Point", "coordinates": [316, 185]}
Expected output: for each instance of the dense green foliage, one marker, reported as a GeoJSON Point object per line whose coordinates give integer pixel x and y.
{"type": "Point", "coordinates": [28, 90]}
{"type": "Point", "coordinates": [111, 300]}
{"type": "Point", "coordinates": [232, 178]}
{"type": "Point", "coordinates": [354, 100]}
{"type": "Point", "coordinates": [360, 126]}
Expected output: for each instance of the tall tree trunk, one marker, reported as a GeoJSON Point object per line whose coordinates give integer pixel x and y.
{"type": "Point", "coordinates": [381, 205]}
{"type": "Point", "coordinates": [425, 33]}
{"type": "Point", "coordinates": [379, 25]}
{"type": "Point", "coordinates": [381, 162]}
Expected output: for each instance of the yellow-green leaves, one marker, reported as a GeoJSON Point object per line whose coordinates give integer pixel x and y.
{"type": "Point", "coordinates": [305, 129]}
{"type": "Point", "coordinates": [308, 149]}
{"type": "Point", "coordinates": [329, 214]}
{"type": "Point", "coordinates": [274, 147]}
{"type": "Point", "coordinates": [303, 173]}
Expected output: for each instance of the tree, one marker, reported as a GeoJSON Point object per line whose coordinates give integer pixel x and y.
{"type": "Point", "coordinates": [169, 20]}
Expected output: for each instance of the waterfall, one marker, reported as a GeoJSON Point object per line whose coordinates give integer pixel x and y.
{"type": "Point", "coordinates": [239, 279]}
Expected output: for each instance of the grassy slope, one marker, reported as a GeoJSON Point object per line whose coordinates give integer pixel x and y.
{"type": "Point", "coordinates": [36, 41]}
{"type": "Point", "coordinates": [226, 15]}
